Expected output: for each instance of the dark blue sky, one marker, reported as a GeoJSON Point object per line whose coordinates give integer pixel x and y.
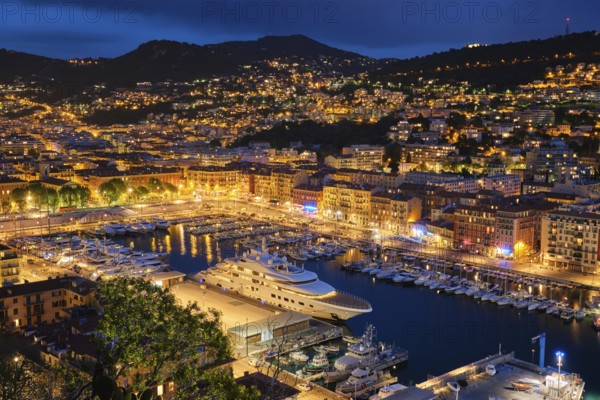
{"type": "Point", "coordinates": [378, 28]}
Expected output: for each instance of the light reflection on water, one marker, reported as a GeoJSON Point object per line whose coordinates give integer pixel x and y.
{"type": "Point", "coordinates": [441, 332]}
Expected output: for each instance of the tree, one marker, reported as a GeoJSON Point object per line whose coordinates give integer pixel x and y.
{"type": "Point", "coordinates": [5, 206]}
{"type": "Point", "coordinates": [52, 200]}
{"type": "Point", "coordinates": [19, 197]}
{"type": "Point", "coordinates": [221, 385]}
{"type": "Point", "coordinates": [83, 196]}
{"type": "Point", "coordinates": [109, 192]}
{"type": "Point", "coordinates": [17, 379]}
{"type": "Point", "coordinates": [119, 185]}
{"type": "Point", "coordinates": [141, 192]}
{"type": "Point", "coordinates": [146, 335]}
{"type": "Point", "coordinates": [155, 186]}
{"type": "Point", "coordinates": [170, 189]}
{"type": "Point", "coordinates": [68, 196]}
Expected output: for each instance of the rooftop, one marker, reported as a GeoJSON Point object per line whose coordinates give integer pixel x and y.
{"type": "Point", "coordinates": [76, 284]}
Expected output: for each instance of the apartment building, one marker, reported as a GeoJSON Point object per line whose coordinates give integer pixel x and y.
{"type": "Point", "coordinates": [451, 183]}
{"type": "Point", "coordinates": [394, 212]}
{"type": "Point", "coordinates": [367, 157]}
{"type": "Point", "coordinates": [276, 184]}
{"type": "Point", "coordinates": [570, 240]}
{"type": "Point", "coordinates": [474, 228]}
{"type": "Point", "coordinates": [35, 303]}
{"type": "Point", "coordinates": [551, 164]}
{"type": "Point", "coordinates": [428, 154]}
{"type": "Point", "coordinates": [212, 179]}
{"type": "Point", "coordinates": [8, 184]}
{"type": "Point", "coordinates": [511, 230]}
{"type": "Point", "coordinates": [308, 196]}
{"type": "Point", "coordinates": [10, 266]}
{"type": "Point", "coordinates": [508, 185]}
{"type": "Point", "coordinates": [385, 181]}
{"type": "Point", "coordinates": [132, 177]}
{"type": "Point", "coordinates": [347, 202]}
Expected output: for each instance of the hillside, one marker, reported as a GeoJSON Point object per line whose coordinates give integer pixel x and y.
{"type": "Point", "coordinates": [161, 60]}
{"type": "Point", "coordinates": [502, 65]}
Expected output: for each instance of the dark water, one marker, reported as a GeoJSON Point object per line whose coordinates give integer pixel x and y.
{"type": "Point", "coordinates": [441, 332]}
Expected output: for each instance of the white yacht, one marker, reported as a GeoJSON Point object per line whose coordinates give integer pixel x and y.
{"type": "Point", "coordinates": [274, 280]}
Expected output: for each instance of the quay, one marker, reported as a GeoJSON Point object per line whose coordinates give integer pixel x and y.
{"type": "Point", "coordinates": [503, 376]}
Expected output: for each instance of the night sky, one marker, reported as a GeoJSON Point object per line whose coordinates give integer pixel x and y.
{"type": "Point", "coordinates": [378, 28]}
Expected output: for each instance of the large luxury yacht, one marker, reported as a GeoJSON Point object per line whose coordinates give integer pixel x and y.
{"type": "Point", "coordinates": [273, 279]}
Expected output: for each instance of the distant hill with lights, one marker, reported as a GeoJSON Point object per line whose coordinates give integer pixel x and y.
{"type": "Point", "coordinates": [500, 65]}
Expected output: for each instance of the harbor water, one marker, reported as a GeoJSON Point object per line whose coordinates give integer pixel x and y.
{"type": "Point", "coordinates": [441, 332]}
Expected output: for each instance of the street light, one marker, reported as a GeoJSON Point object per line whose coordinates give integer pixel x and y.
{"type": "Point", "coordinates": [560, 356]}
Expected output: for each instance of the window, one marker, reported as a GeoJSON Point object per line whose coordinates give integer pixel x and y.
{"type": "Point", "coordinates": [15, 300]}
{"type": "Point", "coordinates": [15, 311]}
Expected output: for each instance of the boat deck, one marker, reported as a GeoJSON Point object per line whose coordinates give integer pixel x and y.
{"type": "Point", "coordinates": [343, 299]}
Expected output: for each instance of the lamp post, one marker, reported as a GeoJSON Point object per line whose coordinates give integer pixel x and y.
{"type": "Point", "coordinates": [560, 356]}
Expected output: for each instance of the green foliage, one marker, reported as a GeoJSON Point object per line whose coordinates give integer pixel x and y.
{"type": "Point", "coordinates": [17, 379]}
{"type": "Point", "coordinates": [68, 196]}
{"type": "Point", "coordinates": [122, 115]}
{"type": "Point", "coordinates": [5, 206]}
{"type": "Point", "coordinates": [221, 385]}
{"type": "Point", "coordinates": [19, 197]}
{"type": "Point", "coordinates": [112, 190]}
{"type": "Point", "coordinates": [146, 335]}
{"type": "Point", "coordinates": [333, 136]}
{"type": "Point", "coordinates": [83, 196]}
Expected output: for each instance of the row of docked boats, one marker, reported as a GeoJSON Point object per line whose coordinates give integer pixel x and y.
{"type": "Point", "coordinates": [408, 273]}
{"type": "Point", "coordinates": [281, 238]}
{"type": "Point", "coordinates": [324, 249]}
{"type": "Point", "coordinates": [134, 227]}
{"type": "Point", "coordinates": [103, 258]}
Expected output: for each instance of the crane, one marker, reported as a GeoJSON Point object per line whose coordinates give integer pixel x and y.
{"type": "Point", "coordinates": [541, 338]}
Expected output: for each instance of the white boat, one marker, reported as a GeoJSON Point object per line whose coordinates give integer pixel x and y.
{"type": "Point", "coordinates": [503, 301]}
{"type": "Point", "coordinates": [299, 356]}
{"type": "Point", "coordinates": [387, 391]}
{"type": "Point", "coordinates": [327, 349]}
{"type": "Point", "coordinates": [318, 363]}
{"type": "Point", "coordinates": [276, 281]}
{"type": "Point", "coordinates": [359, 379]}
{"type": "Point", "coordinates": [132, 228]}
{"type": "Point", "coordinates": [490, 369]}
{"type": "Point", "coordinates": [107, 230]}
{"type": "Point", "coordinates": [162, 224]}
{"type": "Point", "coordinates": [117, 228]}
